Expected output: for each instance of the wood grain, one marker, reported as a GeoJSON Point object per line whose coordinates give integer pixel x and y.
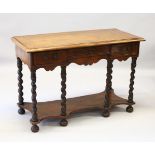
{"type": "Point", "coordinates": [65, 40]}
{"type": "Point", "coordinates": [84, 55]}
{"type": "Point", "coordinates": [52, 109]}
{"type": "Point", "coordinates": [84, 48]}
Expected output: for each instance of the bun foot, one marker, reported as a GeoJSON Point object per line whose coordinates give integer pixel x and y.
{"type": "Point", "coordinates": [21, 111]}
{"type": "Point", "coordinates": [129, 109]}
{"type": "Point", "coordinates": [106, 113]}
{"type": "Point", "coordinates": [35, 128]}
{"type": "Point", "coordinates": [63, 122]}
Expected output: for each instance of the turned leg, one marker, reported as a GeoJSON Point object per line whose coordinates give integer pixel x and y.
{"type": "Point", "coordinates": [34, 119]}
{"type": "Point", "coordinates": [63, 122]}
{"type": "Point", "coordinates": [108, 89]}
{"type": "Point", "coordinates": [20, 86]}
{"type": "Point", "coordinates": [131, 88]}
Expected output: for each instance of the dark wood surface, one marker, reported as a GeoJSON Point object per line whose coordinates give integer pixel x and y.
{"type": "Point", "coordinates": [52, 109]}
{"type": "Point", "coordinates": [81, 56]}
{"type": "Point", "coordinates": [63, 122]}
{"type": "Point", "coordinates": [131, 86]}
{"type": "Point", "coordinates": [20, 86]}
{"type": "Point", "coordinates": [34, 118]}
{"type": "Point", "coordinates": [108, 89]}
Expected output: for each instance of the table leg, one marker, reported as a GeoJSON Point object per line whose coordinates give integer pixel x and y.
{"type": "Point", "coordinates": [108, 89]}
{"type": "Point", "coordinates": [20, 86]}
{"type": "Point", "coordinates": [63, 122]}
{"type": "Point", "coordinates": [131, 88]}
{"type": "Point", "coordinates": [34, 119]}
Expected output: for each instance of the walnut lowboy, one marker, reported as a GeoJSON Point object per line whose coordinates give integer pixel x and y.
{"type": "Point", "coordinates": [83, 48]}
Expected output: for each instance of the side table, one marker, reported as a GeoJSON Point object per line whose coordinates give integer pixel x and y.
{"type": "Point", "coordinates": [83, 48]}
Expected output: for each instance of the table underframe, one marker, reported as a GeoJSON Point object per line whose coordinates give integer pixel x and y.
{"type": "Point", "coordinates": [64, 108]}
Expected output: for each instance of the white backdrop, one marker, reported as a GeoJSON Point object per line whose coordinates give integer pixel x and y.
{"type": "Point", "coordinates": [23, 24]}
{"type": "Point", "coordinates": [121, 126]}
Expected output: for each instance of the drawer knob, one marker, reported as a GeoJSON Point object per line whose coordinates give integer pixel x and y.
{"type": "Point", "coordinates": [125, 49]}
{"type": "Point", "coordinates": [55, 56]}
{"type": "Point", "coordinates": [90, 53]}
{"type": "Point", "coordinates": [45, 57]}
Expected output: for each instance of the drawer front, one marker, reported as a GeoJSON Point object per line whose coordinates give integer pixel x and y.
{"type": "Point", "coordinates": [69, 55]}
{"type": "Point", "coordinates": [88, 52]}
{"type": "Point", "coordinates": [48, 58]}
{"type": "Point", "coordinates": [85, 55]}
{"type": "Point", "coordinates": [125, 50]}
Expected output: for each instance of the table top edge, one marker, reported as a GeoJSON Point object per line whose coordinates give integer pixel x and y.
{"type": "Point", "coordinates": [72, 46]}
{"type": "Point", "coordinates": [19, 44]}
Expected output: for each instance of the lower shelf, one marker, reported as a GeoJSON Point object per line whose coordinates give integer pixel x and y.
{"type": "Point", "coordinates": [52, 109]}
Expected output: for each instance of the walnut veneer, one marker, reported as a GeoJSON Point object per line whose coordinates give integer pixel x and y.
{"type": "Point", "coordinates": [81, 47]}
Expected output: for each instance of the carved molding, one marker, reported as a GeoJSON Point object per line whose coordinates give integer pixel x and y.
{"type": "Point", "coordinates": [85, 61]}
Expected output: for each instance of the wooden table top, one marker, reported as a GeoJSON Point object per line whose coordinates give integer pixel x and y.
{"type": "Point", "coordinates": [75, 39]}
